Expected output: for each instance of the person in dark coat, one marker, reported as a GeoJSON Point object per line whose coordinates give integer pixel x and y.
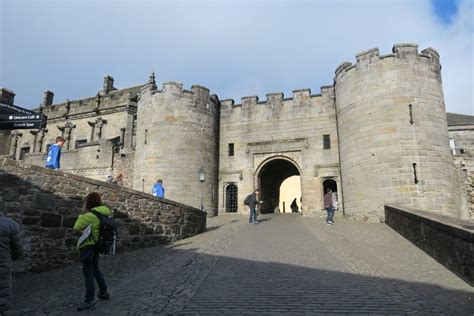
{"type": "Point", "coordinates": [252, 201]}
{"type": "Point", "coordinates": [10, 249]}
{"type": "Point", "coordinates": [294, 206]}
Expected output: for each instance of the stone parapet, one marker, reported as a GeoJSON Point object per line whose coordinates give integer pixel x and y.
{"type": "Point", "coordinates": [449, 241]}
{"type": "Point", "coordinates": [46, 204]}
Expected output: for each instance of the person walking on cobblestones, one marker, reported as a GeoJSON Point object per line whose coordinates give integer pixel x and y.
{"type": "Point", "coordinates": [10, 249]}
{"type": "Point", "coordinates": [88, 223]}
{"type": "Point", "coordinates": [329, 206]}
{"type": "Point", "coordinates": [252, 201]}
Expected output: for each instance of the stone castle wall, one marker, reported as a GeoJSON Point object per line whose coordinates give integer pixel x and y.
{"type": "Point", "coordinates": [391, 116]}
{"type": "Point", "coordinates": [177, 135]}
{"type": "Point", "coordinates": [279, 128]}
{"type": "Point", "coordinates": [46, 204]}
{"type": "Point", "coordinates": [383, 115]}
{"type": "Point", "coordinates": [5, 142]}
{"type": "Point", "coordinates": [449, 241]}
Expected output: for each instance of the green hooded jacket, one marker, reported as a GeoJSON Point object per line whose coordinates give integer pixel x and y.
{"type": "Point", "coordinates": [88, 218]}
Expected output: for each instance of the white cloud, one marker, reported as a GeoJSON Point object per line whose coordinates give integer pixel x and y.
{"type": "Point", "coordinates": [235, 48]}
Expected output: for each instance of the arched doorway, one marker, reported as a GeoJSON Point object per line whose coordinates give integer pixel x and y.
{"type": "Point", "coordinates": [231, 196]}
{"type": "Point", "coordinates": [271, 175]}
{"type": "Point", "coordinates": [330, 183]}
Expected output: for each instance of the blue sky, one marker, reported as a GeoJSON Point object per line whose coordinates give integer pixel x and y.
{"type": "Point", "coordinates": [234, 47]}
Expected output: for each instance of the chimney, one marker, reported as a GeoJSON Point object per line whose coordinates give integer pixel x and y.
{"type": "Point", "coordinates": [48, 98]}
{"type": "Point", "coordinates": [7, 96]}
{"type": "Point", "coordinates": [108, 84]}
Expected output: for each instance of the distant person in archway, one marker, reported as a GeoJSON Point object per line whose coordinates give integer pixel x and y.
{"type": "Point", "coordinates": [252, 201]}
{"type": "Point", "coordinates": [329, 206]}
{"type": "Point", "coordinates": [158, 189]}
{"type": "Point", "coordinates": [294, 206]}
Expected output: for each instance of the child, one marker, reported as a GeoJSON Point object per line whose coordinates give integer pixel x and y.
{"type": "Point", "coordinates": [54, 154]}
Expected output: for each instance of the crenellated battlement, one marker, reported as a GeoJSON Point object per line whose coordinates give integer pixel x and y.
{"type": "Point", "coordinates": [174, 89]}
{"type": "Point", "coordinates": [278, 98]}
{"type": "Point", "coordinates": [404, 51]}
{"type": "Point", "coordinates": [71, 108]}
{"type": "Point", "coordinates": [368, 56]}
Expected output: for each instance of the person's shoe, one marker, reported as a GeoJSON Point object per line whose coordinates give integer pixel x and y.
{"type": "Point", "coordinates": [327, 223]}
{"type": "Point", "coordinates": [103, 296]}
{"type": "Point", "coordinates": [85, 306]}
{"type": "Point", "coordinates": [331, 222]}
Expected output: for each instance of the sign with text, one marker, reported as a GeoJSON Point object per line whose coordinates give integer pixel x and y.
{"type": "Point", "coordinates": [14, 117]}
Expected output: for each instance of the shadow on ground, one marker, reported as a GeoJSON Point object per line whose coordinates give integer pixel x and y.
{"type": "Point", "coordinates": [171, 280]}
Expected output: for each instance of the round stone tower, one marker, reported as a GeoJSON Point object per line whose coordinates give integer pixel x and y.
{"type": "Point", "coordinates": [177, 135]}
{"type": "Point", "coordinates": [393, 137]}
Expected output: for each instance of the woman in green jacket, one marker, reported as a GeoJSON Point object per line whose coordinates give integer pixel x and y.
{"type": "Point", "coordinates": [88, 254]}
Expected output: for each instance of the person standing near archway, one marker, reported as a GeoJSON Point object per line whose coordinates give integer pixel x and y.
{"type": "Point", "coordinates": [252, 201]}
{"type": "Point", "coordinates": [329, 206]}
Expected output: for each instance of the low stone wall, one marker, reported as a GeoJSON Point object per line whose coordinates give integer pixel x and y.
{"type": "Point", "coordinates": [46, 204]}
{"type": "Point", "coordinates": [449, 241]}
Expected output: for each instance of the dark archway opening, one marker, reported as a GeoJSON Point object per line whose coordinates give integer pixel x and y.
{"type": "Point", "coordinates": [231, 196]}
{"type": "Point", "coordinates": [270, 179]}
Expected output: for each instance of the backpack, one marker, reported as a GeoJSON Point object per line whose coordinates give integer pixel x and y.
{"type": "Point", "coordinates": [107, 233]}
{"type": "Point", "coordinates": [247, 200]}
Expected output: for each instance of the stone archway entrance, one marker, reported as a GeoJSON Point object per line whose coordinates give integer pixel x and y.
{"type": "Point", "coordinates": [270, 176]}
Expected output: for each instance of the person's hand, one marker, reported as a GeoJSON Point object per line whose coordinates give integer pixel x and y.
{"type": "Point", "coordinates": [261, 202]}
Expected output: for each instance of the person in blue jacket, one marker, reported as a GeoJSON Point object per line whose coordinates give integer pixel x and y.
{"type": "Point", "coordinates": [158, 189]}
{"type": "Point", "coordinates": [54, 154]}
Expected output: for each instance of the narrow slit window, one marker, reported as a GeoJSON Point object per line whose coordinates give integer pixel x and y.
{"type": "Point", "coordinates": [146, 135]}
{"type": "Point", "coordinates": [326, 141]}
{"type": "Point", "coordinates": [410, 106]}
{"type": "Point", "coordinates": [231, 149]}
{"type": "Point", "coordinates": [414, 173]}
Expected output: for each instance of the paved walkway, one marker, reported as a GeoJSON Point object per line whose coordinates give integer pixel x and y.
{"type": "Point", "coordinates": [287, 264]}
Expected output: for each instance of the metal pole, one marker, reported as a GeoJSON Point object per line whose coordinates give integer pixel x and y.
{"type": "Point", "coordinates": [202, 196]}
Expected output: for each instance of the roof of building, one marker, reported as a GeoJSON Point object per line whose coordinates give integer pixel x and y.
{"type": "Point", "coordinates": [459, 119]}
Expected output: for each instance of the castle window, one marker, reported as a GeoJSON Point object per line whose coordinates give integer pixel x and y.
{"type": "Point", "coordinates": [23, 152]}
{"type": "Point", "coordinates": [415, 177]}
{"type": "Point", "coordinates": [411, 114]}
{"type": "Point", "coordinates": [230, 149]}
{"type": "Point", "coordinates": [326, 141]}
{"type": "Point", "coordinates": [452, 145]}
{"type": "Point", "coordinates": [80, 142]}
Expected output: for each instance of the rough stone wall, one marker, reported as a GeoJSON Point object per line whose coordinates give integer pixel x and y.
{"type": "Point", "coordinates": [104, 122]}
{"type": "Point", "coordinates": [81, 131]}
{"type": "Point", "coordinates": [178, 134]}
{"type": "Point", "coordinates": [381, 137]}
{"type": "Point", "coordinates": [46, 204]}
{"type": "Point", "coordinates": [95, 160]}
{"type": "Point", "coordinates": [463, 138]}
{"type": "Point", "coordinates": [466, 166]}
{"type": "Point", "coordinates": [278, 128]}
{"type": "Point", "coordinates": [123, 164]}
{"type": "Point", "coordinates": [447, 240]}
{"type": "Point", "coordinates": [5, 142]}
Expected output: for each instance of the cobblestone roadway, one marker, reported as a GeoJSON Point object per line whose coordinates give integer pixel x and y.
{"type": "Point", "coordinates": [287, 264]}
